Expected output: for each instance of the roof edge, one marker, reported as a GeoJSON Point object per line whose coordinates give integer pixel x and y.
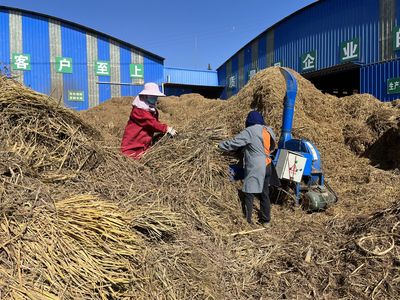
{"type": "Point", "coordinates": [88, 29]}
{"type": "Point", "coordinates": [316, 2]}
{"type": "Point", "coordinates": [188, 69]}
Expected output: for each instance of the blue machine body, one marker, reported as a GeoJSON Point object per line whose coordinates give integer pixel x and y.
{"type": "Point", "coordinates": [313, 169]}
{"type": "Point", "coordinates": [312, 173]}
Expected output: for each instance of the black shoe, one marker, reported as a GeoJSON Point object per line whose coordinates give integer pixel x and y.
{"type": "Point", "coordinates": [266, 224]}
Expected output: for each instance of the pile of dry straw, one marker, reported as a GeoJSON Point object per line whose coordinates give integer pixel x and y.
{"type": "Point", "coordinates": [79, 221]}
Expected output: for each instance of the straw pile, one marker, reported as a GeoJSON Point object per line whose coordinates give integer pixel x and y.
{"type": "Point", "coordinates": [308, 257]}
{"type": "Point", "coordinates": [303, 255]}
{"type": "Point", "coordinates": [53, 140]}
{"type": "Point", "coordinates": [81, 242]}
{"type": "Point", "coordinates": [188, 239]}
{"type": "Point", "coordinates": [56, 240]}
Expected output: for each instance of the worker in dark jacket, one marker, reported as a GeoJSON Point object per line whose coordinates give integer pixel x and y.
{"type": "Point", "coordinates": [257, 141]}
{"type": "Point", "coordinates": [143, 122]}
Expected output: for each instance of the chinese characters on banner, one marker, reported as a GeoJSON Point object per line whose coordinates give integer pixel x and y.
{"type": "Point", "coordinates": [308, 61]}
{"type": "Point", "coordinates": [136, 70]}
{"type": "Point", "coordinates": [76, 96]}
{"type": "Point", "coordinates": [232, 82]}
{"type": "Point", "coordinates": [393, 86]}
{"type": "Point", "coordinates": [396, 38]}
{"type": "Point", "coordinates": [350, 50]}
{"type": "Point", "coordinates": [102, 68]}
{"type": "Point", "coordinates": [252, 72]}
{"type": "Point", "coordinates": [64, 65]}
{"type": "Point", "coordinates": [21, 62]}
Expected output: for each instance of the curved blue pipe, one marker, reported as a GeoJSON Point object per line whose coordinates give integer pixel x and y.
{"type": "Point", "coordinates": [288, 110]}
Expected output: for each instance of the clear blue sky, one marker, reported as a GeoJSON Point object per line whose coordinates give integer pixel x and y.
{"type": "Point", "coordinates": [187, 33]}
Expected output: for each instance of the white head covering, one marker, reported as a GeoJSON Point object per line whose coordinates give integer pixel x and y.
{"type": "Point", "coordinates": [139, 103]}
{"type": "Point", "coordinates": [151, 89]}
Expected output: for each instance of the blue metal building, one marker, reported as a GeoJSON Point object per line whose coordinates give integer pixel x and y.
{"type": "Point", "coordinates": [342, 46]}
{"type": "Point", "coordinates": [178, 81]}
{"type": "Point", "coordinates": [77, 65]}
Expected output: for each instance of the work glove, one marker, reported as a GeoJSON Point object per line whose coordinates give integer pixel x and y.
{"type": "Point", "coordinates": [172, 132]}
{"type": "Point", "coordinates": [218, 148]}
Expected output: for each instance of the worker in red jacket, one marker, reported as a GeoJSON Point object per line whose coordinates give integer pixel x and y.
{"type": "Point", "coordinates": [143, 122]}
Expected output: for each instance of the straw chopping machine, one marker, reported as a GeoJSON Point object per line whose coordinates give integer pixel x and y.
{"type": "Point", "coordinates": [297, 161]}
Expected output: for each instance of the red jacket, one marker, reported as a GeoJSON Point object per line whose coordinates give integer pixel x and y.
{"type": "Point", "coordinates": [139, 132]}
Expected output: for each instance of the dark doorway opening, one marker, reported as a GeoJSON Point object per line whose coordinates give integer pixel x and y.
{"type": "Point", "coordinates": [341, 81]}
{"type": "Point", "coordinates": [175, 89]}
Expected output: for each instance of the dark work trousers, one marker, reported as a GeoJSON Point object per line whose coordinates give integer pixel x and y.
{"type": "Point", "coordinates": [265, 205]}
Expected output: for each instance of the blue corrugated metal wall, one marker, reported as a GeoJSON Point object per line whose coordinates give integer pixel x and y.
{"type": "Point", "coordinates": [222, 75]}
{"type": "Point", "coordinates": [154, 71]}
{"type": "Point", "coordinates": [74, 46]}
{"type": "Point", "coordinates": [44, 38]}
{"type": "Point", "coordinates": [125, 58]}
{"type": "Point", "coordinates": [262, 52]}
{"type": "Point", "coordinates": [5, 40]}
{"type": "Point", "coordinates": [191, 77]}
{"type": "Point", "coordinates": [103, 53]}
{"type": "Point", "coordinates": [396, 23]}
{"type": "Point", "coordinates": [374, 79]}
{"type": "Point", "coordinates": [235, 69]}
{"type": "Point", "coordinates": [38, 78]}
{"type": "Point", "coordinates": [247, 62]}
{"type": "Point", "coordinates": [323, 27]}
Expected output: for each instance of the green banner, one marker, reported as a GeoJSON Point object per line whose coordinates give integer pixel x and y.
{"type": "Point", "coordinates": [396, 38]}
{"type": "Point", "coordinates": [308, 61]}
{"type": "Point", "coordinates": [136, 70]}
{"type": "Point", "coordinates": [21, 61]}
{"type": "Point", "coordinates": [102, 68]}
{"type": "Point", "coordinates": [393, 86]}
{"type": "Point", "coordinates": [77, 96]}
{"type": "Point", "coordinates": [63, 65]}
{"type": "Point", "coordinates": [350, 50]}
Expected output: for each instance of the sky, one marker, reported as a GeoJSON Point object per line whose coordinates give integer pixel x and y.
{"type": "Point", "coordinates": [188, 34]}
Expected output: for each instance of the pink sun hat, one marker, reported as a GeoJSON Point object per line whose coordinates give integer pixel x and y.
{"type": "Point", "coordinates": [151, 89]}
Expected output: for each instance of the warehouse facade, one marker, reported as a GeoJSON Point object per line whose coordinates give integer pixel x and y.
{"type": "Point", "coordinates": [342, 46]}
{"type": "Point", "coordinates": [78, 66]}
{"type": "Point", "coordinates": [178, 81]}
